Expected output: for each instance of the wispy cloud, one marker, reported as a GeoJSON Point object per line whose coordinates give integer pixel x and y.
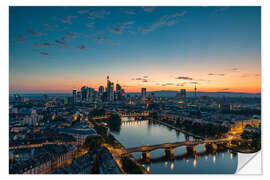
{"type": "Point", "coordinates": [118, 28]}
{"type": "Point", "coordinates": [44, 53]}
{"type": "Point", "coordinates": [83, 11]}
{"type": "Point", "coordinates": [43, 44]}
{"type": "Point", "coordinates": [214, 74]}
{"type": "Point", "coordinates": [35, 33]}
{"type": "Point", "coordinates": [71, 34]}
{"type": "Point", "coordinates": [143, 79]}
{"type": "Point", "coordinates": [68, 19]}
{"type": "Point", "coordinates": [167, 20]}
{"type": "Point", "coordinates": [148, 9]}
{"type": "Point", "coordinates": [235, 69]}
{"type": "Point", "coordinates": [101, 39]}
{"type": "Point", "coordinates": [98, 14]}
{"type": "Point", "coordinates": [20, 38]}
{"type": "Point", "coordinates": [90, 25]}
{"type": "Point", "coordinates": [82, 47]}
{"type": "Point", "coordinates": [184, 78]}
{"type": "Point", "coordinates": [129, 11]}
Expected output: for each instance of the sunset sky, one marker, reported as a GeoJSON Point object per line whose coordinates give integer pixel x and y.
{"type": "Point", "coordinates": [56, 49]}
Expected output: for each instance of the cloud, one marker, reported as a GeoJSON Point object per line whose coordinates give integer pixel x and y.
{"type": "Point", "coordinates": [20, 38]}
{"type": "Point", "coordinates": [143, 79]}
{"type": "Point", "coordinates": [116, 29]}
{"type": "Point", "coordinates": [184, 78]}
{"type": "Point", "coordinates": [35, 33]}
{"type": "Point", "coordinates": [83, 11]}
{"type": "Point", "coordinates": [225, 89]}
{"type": "Point", "coordinates": [129, 11]}
{"type": "Point", "coordinates": [82, 47]}
{"type": "Point", "coordinates": [71, 34]}
{"type": "Point", "coordinates": [128, 22]}
{"type": "Point", "coordinates": [167, 20]}
{"type": "Point", "coordinates": [100, 14]}
{"type": "Point", "coordinates": [44, 53]}
{"type": "Point", "coordinates": [235, 69]}
{"type": "Point", "coordinates": [101, 39]}
{"type": "Point", "coordinates": [68, 19]}
{"type": "Point", "coordinates": [50, 27]}
{"type": "Point", "coordinates": [91, 24]}
{"type": "Point", "coordinates": [60, 42]}
{"type": "Point", "coordinates": [213, 74]}
{"type": "Point", "coordinates": [180, 84]}
{"type": "Point", "coordinates": [148, 9]}
{"type": "Point", "coordinates": [40, 52]}
{"type": "Point", "coordinates": [167, 84]}
{"type": "Point", "coordinates": [43, 44]}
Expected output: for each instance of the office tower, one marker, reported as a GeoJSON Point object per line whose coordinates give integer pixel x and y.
{"type": "Point", "coordinates": [74, 96]}
{"type": "Point", "coordinates": [84, 93]}
{"type": "Point", "coordinates": [118, 94]}
{"type": "Point", "coordinates": [100, 90]}
{"type": "Point", "coordinates": [195, 90]}
{"type": "Point", "coordinates": [65, 100]}
{"type": "Point", "coordinates": [183, 93]}
{"type": "Point", "coordinates": [109, 90]}
{"type": "Point", "coordinates": [143, 94]}
{"type": "Point", "coordinates": [153, 96]}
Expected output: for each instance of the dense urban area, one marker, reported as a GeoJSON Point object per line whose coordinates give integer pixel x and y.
{"type": "Point", "coordinates": [72, 134]}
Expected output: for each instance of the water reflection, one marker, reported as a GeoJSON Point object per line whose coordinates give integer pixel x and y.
{"type": "Point", "coordinates": [203, 160]}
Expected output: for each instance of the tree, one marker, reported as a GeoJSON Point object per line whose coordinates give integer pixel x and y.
{"type": "Point", "coordinates": [114, 122]}
{"type": "Point", "coordinates": [93, 142]}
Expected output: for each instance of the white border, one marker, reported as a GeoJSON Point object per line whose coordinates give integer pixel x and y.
{"type": "Point", "coordinates": [4, 71]}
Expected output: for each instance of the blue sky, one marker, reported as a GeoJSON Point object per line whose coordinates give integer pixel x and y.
{"type": "Point", "coordinates": [57, 48]}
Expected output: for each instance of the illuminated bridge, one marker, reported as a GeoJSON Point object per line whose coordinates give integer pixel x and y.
{"type": "Point", "coordinates": [169, 147]}
{"type": "Point", "coordinates": [134, 114]}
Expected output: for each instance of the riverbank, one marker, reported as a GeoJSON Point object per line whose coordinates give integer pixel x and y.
{"type": "Point", "coordinates": [235, 149]}
{"type": "Point", "coordinates": [115, 148]}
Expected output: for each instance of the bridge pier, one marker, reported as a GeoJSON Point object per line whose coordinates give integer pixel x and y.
{"type": "Point", "coordinates": [208, 148]}
{"type": "Point", "coordinates": [191, 150]}
{"type": "Point", "coordinates": [169, 152]}
{"type": "Point", "coordinates": [215, 147]}
{"type": "Point", "coordinates": [145, 155]}
{"type": "Point", "coordinates": [187, 137]}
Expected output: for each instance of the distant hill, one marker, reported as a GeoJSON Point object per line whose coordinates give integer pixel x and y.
{"type": "Point", "coordinates": [211, 94]}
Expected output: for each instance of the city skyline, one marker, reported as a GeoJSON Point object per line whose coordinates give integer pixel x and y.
{"type": "Point", "coordinates": [157, 48]}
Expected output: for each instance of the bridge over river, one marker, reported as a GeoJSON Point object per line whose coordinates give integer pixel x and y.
{"type": "Point", "coordinates": [169, 147]}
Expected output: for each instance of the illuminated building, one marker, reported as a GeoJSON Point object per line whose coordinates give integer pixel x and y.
{"type": "Point", "coordinates": [195, 90]}
{"type": "Point", "coordinates": [109, 90]}
{"type": "Point", "coordinates": [84, 93]}
{"type": "Point", "coordinates": [143, 94]}
{"type": "Point", "coordinates": [183, 93]}
{"type": "Point", "coordinates": [74, 96]}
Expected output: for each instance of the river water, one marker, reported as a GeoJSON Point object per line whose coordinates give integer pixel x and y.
{"type": "Point", "coordinates": [146, 132]}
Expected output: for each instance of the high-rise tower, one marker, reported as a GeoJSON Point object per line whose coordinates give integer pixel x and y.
{"type": "Point", "coordinates": [195, 90]}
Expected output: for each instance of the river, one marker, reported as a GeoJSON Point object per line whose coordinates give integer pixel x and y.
{"type": "Point", "coordinates": [146, 132]}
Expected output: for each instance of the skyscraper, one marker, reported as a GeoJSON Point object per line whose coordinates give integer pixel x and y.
{"type": "Point", "coordinates": [84, 93]}
{"type": "Point", "coordinates": [100, 90]}
{"type": "Point", "coordinates": [195, 90]}
{"type": "Point", "coordinates": [109, 90]}
{"type": "Point", "coordinates": [143, 94]}
{"type": "Point", "coordinates": [183, 93]}
{"type": "Point", "coordinates": [74, 92]}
